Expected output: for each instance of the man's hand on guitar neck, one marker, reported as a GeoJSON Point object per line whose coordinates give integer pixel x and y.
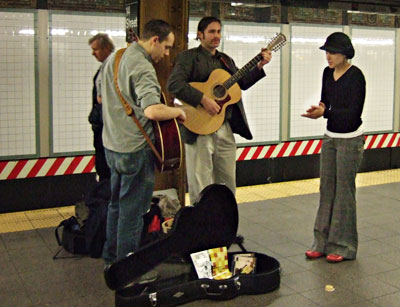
{"type": "Point", "coordinates": [210, 105]}
{"type": "Point", "coordinates": [267, 56]}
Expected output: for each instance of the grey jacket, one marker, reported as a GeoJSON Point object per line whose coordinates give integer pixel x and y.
{"type": "Point", "coordinates": [196, 65]}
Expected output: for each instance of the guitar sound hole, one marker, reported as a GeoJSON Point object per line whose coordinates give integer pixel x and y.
{"type": "Point", "coordinates": [219, 91]}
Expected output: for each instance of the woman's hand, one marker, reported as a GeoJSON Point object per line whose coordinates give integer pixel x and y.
{"type": "Point", "coordinates": [315, 111]}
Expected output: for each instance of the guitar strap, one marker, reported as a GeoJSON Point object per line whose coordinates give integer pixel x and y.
{"type": "Point", "coordinates": [223, 60]}
{"type": "Point", "coordinates": [128, 109]}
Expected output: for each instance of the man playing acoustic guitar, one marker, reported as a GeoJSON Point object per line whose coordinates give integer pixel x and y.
{"type": "Point", "coordinates": [128, 154]}
{"type": "Point", "coordinates": [211, 158]}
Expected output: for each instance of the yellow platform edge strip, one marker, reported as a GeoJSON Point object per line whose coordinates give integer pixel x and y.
{"type": "Point", "coordinates": [43, 218]}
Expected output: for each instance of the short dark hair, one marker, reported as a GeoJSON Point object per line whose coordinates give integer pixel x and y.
{"type": "Point", "coordinates": [104, 40]}
{"type": "Point", "coordinates": [205, 21]}
{"type": "Point", "coordinates": [156, 27]}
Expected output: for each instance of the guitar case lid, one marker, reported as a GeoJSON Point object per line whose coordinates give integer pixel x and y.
{"type": "Point", "coordinates": [212, 222]}
{"type": "Point", "coordinates": [214, 219]}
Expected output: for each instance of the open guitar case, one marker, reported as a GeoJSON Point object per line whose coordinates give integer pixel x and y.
{"type": "Point", "coordinates": [212, 222]}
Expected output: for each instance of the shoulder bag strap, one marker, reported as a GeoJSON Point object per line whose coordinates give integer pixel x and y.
{"type": "Point", "coordinates": [128, 109]}
{"type": "Point", "coordinates": [56, 233]}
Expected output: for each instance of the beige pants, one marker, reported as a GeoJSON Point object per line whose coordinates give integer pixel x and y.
{"type": "Point", "coordinates": [211, 159]}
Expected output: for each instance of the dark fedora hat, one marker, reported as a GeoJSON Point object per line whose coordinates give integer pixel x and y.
{"type": "Point", "coordinates": [339, 42]}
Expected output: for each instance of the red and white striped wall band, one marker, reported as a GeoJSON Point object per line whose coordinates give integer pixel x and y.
{"type": "Point", "coordinates": [309, 147]}
{"type": "Point", "coordinates": [44, 167]}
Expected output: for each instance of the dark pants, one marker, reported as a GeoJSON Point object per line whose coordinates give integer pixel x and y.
{"type": "Point", "coordinates": [101, 166]}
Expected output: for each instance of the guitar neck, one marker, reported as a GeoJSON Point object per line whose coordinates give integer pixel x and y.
{"type": "Point", "coordinates": [243, 71]}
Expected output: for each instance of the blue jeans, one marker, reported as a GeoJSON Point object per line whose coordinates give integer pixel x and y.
{"type": "Point", "coordinates": [132, 184]}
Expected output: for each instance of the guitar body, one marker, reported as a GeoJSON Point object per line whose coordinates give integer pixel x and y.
{"type": "Point", "coordinates": [197, 119]}
{"type": "Point", "coordinates": [168, 143]}
{"type": "Point", "coordinates": [212, 222]}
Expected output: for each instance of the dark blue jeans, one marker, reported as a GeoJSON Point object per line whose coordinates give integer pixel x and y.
{"type": "Point", "coordinates": [132, 184]}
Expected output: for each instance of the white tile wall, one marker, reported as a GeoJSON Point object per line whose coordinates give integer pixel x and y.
{"type": "Point", "coordinates": [73, 68]}
{"type": "Point", "coordinates": [243, 41]}
{"type": "Point", "coordinates": [375, 56]}
{"type": "Point", "coordinates": [306, 68]}
{"type": "Point", "coordinates": [17, 84]}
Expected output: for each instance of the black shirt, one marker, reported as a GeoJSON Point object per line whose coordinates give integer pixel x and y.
{"type": "Point", "coordinates": [344, 99]}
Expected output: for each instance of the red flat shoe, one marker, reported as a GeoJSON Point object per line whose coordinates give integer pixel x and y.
{"type": "Point", "coordinates": [333, 258]}
{"type": "Point", "coordinates": [313, 254]}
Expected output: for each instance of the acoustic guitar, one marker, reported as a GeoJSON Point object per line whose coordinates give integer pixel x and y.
{"type": "Point", "coordinates": [223, 88]}
{"type": "Point", "coordinates": [168, 143]}
{"type": "Point", "coordinates": [211, 222]}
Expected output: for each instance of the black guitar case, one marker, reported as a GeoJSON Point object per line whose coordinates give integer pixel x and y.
{"type": "Point", "coordinates": [212, 222]}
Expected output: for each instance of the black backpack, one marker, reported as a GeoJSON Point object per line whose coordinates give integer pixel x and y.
{"type": "Point", "coordinates": [95, 226]}
{"type": "Point", "coordinates": [89, 238]}
{"type": "Point", "coordinates": [72, 238]}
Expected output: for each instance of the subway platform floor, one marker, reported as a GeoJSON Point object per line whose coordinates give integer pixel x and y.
{"type": "Point", "coordinates": [275, 219]}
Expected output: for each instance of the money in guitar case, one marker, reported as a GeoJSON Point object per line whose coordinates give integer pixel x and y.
{"type": "Point", "coordinates": [212, 222]}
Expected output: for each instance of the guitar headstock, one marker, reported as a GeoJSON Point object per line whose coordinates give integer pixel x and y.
{"type": "Point", "coordinates": [277, 42]}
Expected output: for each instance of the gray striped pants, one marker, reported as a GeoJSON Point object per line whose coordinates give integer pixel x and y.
{"type": "Point", "coordinates": [335, 229]}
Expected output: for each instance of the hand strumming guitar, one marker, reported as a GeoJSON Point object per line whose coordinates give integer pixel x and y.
{"type": "Point", "coordinates": [181, 116]}
{"type": "Point", "coordinates": [210, 105]}
{"type": "Point", "coordinates": [162, 112]}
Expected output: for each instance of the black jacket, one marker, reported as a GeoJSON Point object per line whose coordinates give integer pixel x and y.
{"type": "Point", "coordinates": [96, 115]}
{"type": "Point", "coordinates": [344, 99]}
